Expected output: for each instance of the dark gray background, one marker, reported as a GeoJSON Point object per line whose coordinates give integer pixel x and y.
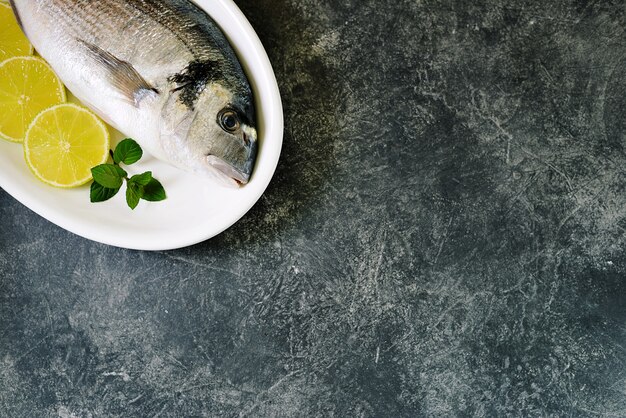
{"type": "Point", "coordinates": [444, 237]}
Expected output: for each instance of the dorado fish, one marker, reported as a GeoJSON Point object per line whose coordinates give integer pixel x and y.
{"type": "Point", "coordinates": [160, 71]}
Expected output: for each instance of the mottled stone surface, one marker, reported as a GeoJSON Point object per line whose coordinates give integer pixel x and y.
{"type": "Point", "coordinates": [444, 237]}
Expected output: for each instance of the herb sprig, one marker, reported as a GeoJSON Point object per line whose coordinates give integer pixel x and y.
{"type": "Point", "coordinates": [109, 178]}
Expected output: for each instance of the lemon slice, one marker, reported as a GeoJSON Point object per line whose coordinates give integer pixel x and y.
{"type": "Point", "coordinates": [27, 86]}
{"type": "Point", "coordinates": [63, 143]}
{"type": "Point", "coordinates": [13, 42]}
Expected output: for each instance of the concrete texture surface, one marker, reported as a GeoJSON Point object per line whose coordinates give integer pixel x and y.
{"type": "Point", "coordinates": [444, 237]}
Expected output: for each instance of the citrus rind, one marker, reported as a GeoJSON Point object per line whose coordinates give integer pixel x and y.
{"type": "Point", "coordinates": [55, 95]}
{"type": "Point", "coordinates": [33, 156]}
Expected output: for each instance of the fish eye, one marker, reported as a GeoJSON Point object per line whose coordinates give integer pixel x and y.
{"type": "Point", "coordinates": [228, 120]}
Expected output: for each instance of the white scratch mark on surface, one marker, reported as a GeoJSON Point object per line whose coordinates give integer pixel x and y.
{"type": "Point", "coordinates": [198, 264]}
{"type": "Point", "coordinates": [125, 377]}
{"type": "Point", "coordinates": [443, 241]}
{"type": "Point", "coordinates": [553, 167]}
{"type": "Point", "coordinates": [258, 400]}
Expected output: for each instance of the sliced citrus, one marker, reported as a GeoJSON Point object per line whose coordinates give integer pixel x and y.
{"type": "Point", "coordinates": [27, 86]}
{"type": "Point", "coordinates": [63, 143]}
{"type": "Point", "coordinates": [13, 42]}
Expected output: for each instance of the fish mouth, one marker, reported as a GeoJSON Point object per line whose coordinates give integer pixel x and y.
{"type": "Point", "coordinates": [228, 172]}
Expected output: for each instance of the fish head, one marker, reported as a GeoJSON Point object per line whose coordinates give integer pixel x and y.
{"type": "Point", "coordinates": [214, 135]}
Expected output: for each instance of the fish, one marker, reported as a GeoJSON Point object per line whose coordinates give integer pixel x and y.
{"type": "Point", "coordinates": [159, 71]}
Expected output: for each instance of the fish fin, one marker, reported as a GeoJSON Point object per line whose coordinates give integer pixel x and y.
{"type": "Point", "coordinates": [122, 75]}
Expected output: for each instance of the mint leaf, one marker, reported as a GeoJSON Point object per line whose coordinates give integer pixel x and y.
{"type": "Point", "coordinates": [99, 193]}
{"type": "Point", "coordinates": [142, 179]}
{"type": "Point", "coordinates": [154, 191]}
{"type": "Point", "coordinates": [128, 152]}
{"type": "Point", "coordinates": [109, 178]}
{"type": "Point", "coordinates": [134, 192]}
{"type": "Point", "coordinates": [108, 175]}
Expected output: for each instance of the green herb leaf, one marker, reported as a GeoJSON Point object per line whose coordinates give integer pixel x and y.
{"type": "Point", "coordinates": [108, 175]}
{"type": "Point", "coordinates": [108, 178]}
{"type": "Point", "coordinates": [134, 192]}
{"type": "Point", "coordinates": [128, 152]}
{"type": "Point", "coordinates": [142, 179]}
{"type": "Point", "coordinates": [99, 193]}
{"type": "Point", "coordinates": [154, 191]}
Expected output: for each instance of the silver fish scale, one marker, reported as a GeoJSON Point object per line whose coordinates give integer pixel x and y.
{"type": "Point", "coordinates": [162, 72]}
{"type": "Point", "coordinates": [150, 34]}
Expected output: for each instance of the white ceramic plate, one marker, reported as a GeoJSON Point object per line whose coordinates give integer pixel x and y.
{"type": "Point", "coordinates": [195, 209]}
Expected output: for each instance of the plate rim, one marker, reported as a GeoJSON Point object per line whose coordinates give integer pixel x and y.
{"type": "Point", "coordinates": [273, 119]}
